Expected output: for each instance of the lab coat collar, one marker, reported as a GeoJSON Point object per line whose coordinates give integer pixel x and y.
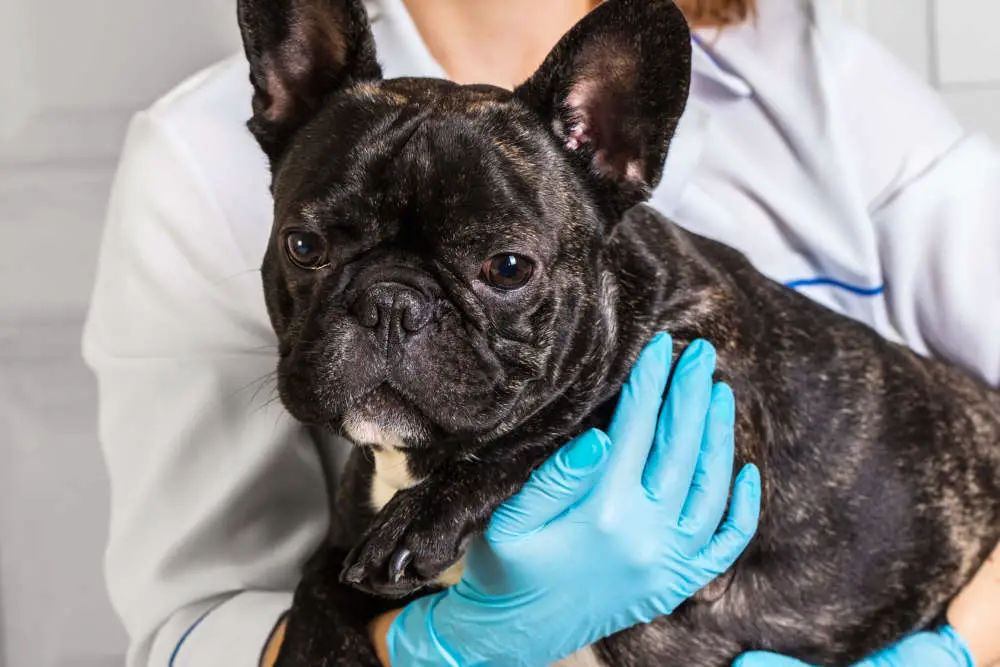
{"type": "Point", "coordinates": [704, 64]}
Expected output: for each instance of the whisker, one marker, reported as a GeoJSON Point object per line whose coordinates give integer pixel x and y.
{"type": "Point", "coordinates": [230, 278]}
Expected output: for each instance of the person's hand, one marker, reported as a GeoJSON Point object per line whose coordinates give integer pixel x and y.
{"type": "Point", "coordinates": [613, 531]}
{"type": "Point", "coordinates": [926, 649]}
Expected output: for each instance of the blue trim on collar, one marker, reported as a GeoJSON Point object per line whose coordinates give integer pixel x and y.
{"type": "Point", "coordinates": [187, 633]}
{"type": "Point", "coordinates": [823, 281]}
{"type": "Point", "coordinates": [704, 63]}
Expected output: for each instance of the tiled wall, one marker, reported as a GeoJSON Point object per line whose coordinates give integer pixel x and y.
{"type": "Point", "coordinates": [953, 44]}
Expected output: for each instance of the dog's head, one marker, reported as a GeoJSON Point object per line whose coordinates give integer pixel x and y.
{"type": "Point", "coordinates": [436, 266]}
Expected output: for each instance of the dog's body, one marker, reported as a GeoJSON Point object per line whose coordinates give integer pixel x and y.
{"type": "Point", "coordinates": [461, 279]}
{"type": "Point", "coordinates": [882, 468]}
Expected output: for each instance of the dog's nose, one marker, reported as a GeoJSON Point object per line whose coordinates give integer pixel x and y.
{"type": "Point", "coordinates": [398, 307]}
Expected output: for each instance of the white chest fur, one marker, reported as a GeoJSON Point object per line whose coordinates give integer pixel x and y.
{"type": "Point", "coordinates": [391, 471]}
{"type": "Point", "coordinates": [391, 476]}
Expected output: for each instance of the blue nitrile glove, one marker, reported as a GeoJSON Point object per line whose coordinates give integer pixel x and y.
{"type": "Point", "coordinates": [613, 531]}
{"type": "Point", "coordinates": [926, 649]}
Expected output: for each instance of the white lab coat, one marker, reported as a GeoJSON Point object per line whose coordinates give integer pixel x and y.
{"type": "Point", "coordinates": [805, 146]}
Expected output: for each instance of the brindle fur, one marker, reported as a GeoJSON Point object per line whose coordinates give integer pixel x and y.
{"type": "Point", "coordinates": [881, 468]}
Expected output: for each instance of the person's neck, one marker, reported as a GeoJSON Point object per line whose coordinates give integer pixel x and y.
{"type": "Point", "coordinates": [490, 41]}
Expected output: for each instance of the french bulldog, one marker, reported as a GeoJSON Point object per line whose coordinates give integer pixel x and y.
{"type": "Point", "coordinates": [460, 279]}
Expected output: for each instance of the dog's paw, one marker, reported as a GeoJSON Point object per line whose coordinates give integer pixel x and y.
{"type": "Point", "coordinates": [412, 541]}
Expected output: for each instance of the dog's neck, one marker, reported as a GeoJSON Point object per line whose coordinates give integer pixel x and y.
{"type": "Point", "coordinates": [684, 295]}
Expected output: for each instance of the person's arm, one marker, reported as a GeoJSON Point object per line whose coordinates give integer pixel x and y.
{"type": "Point", "coordinates": [975, 614]}
{"type": "Point", "coordinates": [940, 250]}
{"type": "Point", "coordinates": [217, 497]}
{"type": "Point", "coordinates": [933, 192]}
{"type": "Point", "coordinates": [273, 648]}
{"type": "Point", "coordinates": [379, 633]}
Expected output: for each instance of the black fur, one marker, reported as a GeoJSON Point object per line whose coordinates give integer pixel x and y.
{"type": "Point", "coordinates": [881, 469]}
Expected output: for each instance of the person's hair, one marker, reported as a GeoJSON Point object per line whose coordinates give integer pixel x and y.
{"type": "Point", "coordinates": [717, 13]}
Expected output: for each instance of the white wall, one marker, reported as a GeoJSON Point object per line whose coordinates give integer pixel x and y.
{"type": "Point", "coordinates": [83, 67]}
{"type": "Point", "coordinates": [71, 74]}
{"type": "Point", "coordinates": [953, 44]}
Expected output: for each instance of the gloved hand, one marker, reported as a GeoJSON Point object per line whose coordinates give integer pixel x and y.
{"type": "Point", "coordinates": [926, 649]}
{"type": "Point", "coordinates": [613, 531]}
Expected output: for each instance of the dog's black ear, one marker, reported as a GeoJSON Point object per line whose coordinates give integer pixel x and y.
{"type": "Point", "coordinates": [613, 90]}
{"type": "Point", "coordinates": [300, 51]}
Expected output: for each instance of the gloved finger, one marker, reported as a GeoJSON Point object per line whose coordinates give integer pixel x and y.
{"type": "Point", "coordinates": [713, 473]}
{"type": "Point", "coordinates": [411, 638]}
{"type": "Point", "coordinates": [761, 659]}
{"type": "Point", "coordinates": [944, 648]}
{"type": "Point", "coordinates": [740, 526]}
{"type": "Point", "coordinates": [556, 486]}
{"type": "Point", "coordinates": [634, 422]}
{"type": "Point", "coordinates": [670, 468]}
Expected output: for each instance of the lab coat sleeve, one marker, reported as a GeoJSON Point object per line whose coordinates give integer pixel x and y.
{"type": "Point", "coordinates": [934, 198]}
{"type": "Point", "coordinates": [939, 239]}
{"type": "Point", "coordinates": [217, 495]}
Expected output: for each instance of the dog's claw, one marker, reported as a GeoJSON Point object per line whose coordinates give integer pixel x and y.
{"type": "Point", "coordinates": [397, 566]}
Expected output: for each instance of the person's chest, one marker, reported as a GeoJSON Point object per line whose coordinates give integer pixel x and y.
{"type": "Point", "coordinates": [764, 166]}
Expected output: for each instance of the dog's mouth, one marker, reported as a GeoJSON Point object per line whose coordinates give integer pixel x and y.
{"type": "Point", "coordinates": [385, 418]}
{"type": "Point", "coordinates": [443, 388]}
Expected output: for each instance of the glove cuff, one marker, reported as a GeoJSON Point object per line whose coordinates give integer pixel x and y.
{"type": "Point", "coordinates": [412, 639]}
{"type": "Point", "coordinates": [957, 646]}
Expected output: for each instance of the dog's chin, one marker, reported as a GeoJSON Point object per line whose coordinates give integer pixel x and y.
{"type": "Point", "coordinates": [385, 419]}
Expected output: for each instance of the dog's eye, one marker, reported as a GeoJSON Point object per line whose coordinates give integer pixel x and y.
{"type": "Point", "coordinates": [508, 272]}
{"type": "Point", "coordinates": [306, 249]}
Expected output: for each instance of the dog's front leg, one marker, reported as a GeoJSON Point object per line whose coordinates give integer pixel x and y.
{"type": "Point", "coordinates": [425, 529]}
{"type": "Point", "coordinates": [328, 622]}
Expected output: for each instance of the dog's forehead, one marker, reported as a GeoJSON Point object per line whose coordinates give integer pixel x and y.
{"type": "Point", "coordinates": [448, 150]}
{"type": "Point", "coordinates": [394, 109]}
{"type": "Point", "coordinates": [443, 94]}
